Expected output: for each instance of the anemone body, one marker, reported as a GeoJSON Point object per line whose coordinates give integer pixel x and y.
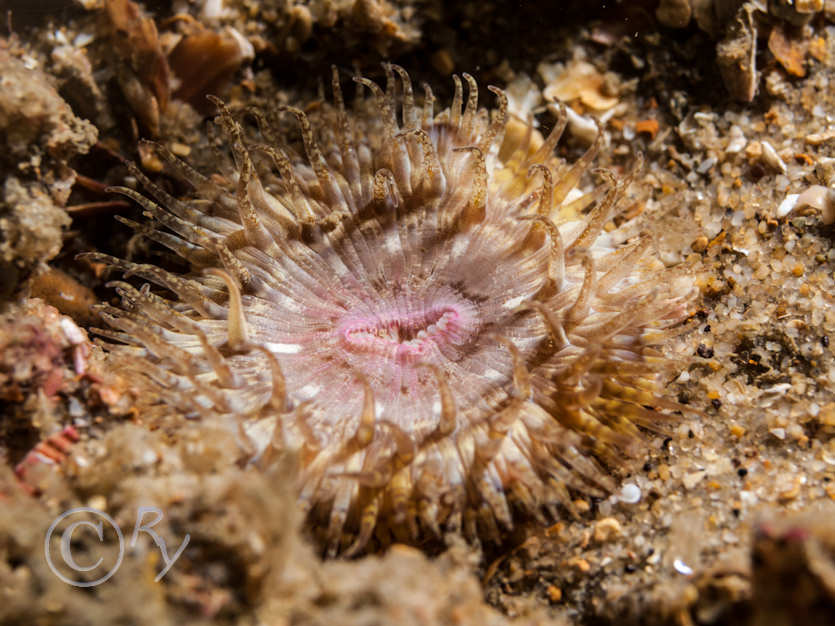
{"type": "Point", "coordinates": [404, 305]}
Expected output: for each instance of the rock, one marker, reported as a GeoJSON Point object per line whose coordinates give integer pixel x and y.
{"type": "Point", "coordinates": [34, 119]}
{"type": "Point", "coordinates": [30, 223]}
{"type": "Point", "coordinates": [674, 13]}
{"type": "Point", "coordinates": [736, 55]}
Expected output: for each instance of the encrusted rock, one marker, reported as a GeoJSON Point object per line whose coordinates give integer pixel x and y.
{"type": "Point", "coordinates": [30, 223]}
{"type": "Point", "coordinates": [34, 119]}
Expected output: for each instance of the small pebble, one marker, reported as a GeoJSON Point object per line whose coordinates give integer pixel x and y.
{"type": "Point", "coordinates": [772, 159]}
{"type": "Point", "coordinates": [630, 493]}
{"type": "Point", "coordinates": [180, 149]}
{"type": "Point", "coordinates": [582, 565]}
{"type": "Point", "coordinates": [737, 142]}
{"type": "Point", "coordinates": [699, 244]}
{"type": "Point", "coordinates": [606, 529]}
{"type": "Point", "coordinates": [787, 205]}
{"type": "Point", "coordinates": [554, 593]}
{"type": "Point", "coordinates": [682, 568]}
{"type": "Point", "coordinates": [780, 433]}
{"type": "Point", "coordinates": [693, 478]}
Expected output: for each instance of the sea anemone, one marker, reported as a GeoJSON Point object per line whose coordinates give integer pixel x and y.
{"type": "Point", "coordinates": [406, 307]}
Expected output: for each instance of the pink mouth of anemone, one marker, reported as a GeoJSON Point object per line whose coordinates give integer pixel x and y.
{"type": "Point", "coordinates": [407, 334]}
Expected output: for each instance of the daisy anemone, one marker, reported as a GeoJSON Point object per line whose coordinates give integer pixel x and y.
{"type": "Point", "coordinates": [403, 303]}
